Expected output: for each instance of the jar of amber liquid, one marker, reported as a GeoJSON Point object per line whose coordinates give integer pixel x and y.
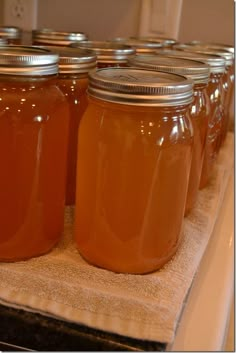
{"type": "Point", "coordinates": [227, 81]}
{"type": "Point", "coordinates": [47, 36]}
{"type": "Point", "coordinates": [108, 54]}
{"type": "Point", "coordinates": [215, 95]}
{"type": "Point", "coordinates": [33, 151]}
{"type": "Point", "coordinates": [199, 110]}
{"type": "Point", "coordinates": [13, 35]}
{"type": "Point", "coordinates": [74, 65]}
{"type": "Point", "coordinates": [135, 146]}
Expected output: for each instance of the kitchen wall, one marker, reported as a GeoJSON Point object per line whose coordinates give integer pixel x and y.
{"type": "Point", "coordinates": [100, 19]}
{"type": "Point", "coordinates": [210, 20]}
{"type": "Point", "coordinates": [207, 20]}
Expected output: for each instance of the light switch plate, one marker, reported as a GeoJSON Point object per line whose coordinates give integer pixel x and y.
{"type": "Point", "coordinates": [160, 18]}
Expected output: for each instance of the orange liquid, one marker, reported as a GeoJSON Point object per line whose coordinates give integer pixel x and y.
{"type": "Point", "coordinates": [229, 94]}
{"type": "Point", "coordinates": [75, 92]}
{"type": "Point", "coordinates": [215, 94]}
{"type": "Point", "coordinates": [33, 150]}
{"type": "Point", "coordinates": [133, 171]}
{"type": "Point", "coordinates": [199, 114]}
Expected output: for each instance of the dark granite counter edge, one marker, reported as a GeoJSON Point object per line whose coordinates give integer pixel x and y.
{"type": "Point", "coordinates": [41, 333]}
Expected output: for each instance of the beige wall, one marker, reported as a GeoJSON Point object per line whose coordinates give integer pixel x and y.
{"type": "Point", "coordinates": [209, 20]}
{"type": "Point", "coordinates": [100, 19]}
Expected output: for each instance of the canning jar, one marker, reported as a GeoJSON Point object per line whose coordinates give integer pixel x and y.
{"type": "Point", "coordinates": [48, 36]}
{"type": "Point", "coordinates": [74, 65]}
{"type": "Point", "coordinates": [33, 151]}
{"type": "Point", "coordinates": [216, 114]}
{"type": "Point", "coordinates": [227, 80]}
{"type": "Point", "coordinates": [199, 110]}
{"type": "Point", "coordinates": [108, 54]}
{"type": "Point", "coordinates": [13, 35]}
{"type": "Point", "coordinates": [134, 157]}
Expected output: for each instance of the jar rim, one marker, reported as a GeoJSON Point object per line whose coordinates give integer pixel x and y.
{"type": "Point", "coordinates": [196, 70]}
{"type": "Point", "coordinates": [27, 61]}
{"type": "Point", "coordinates": [73, 60]}
{"type": "Point", "coordinates": [137, 86]}
{"type": "Point", "coordinates": [107, 51]}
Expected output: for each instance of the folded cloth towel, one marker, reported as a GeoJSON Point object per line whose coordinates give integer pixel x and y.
{"type": "Point", "coordinates": [63, 285]}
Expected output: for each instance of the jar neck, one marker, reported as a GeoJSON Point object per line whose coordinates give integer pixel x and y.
{"type": "Point", "coordinates": [129, 107]}
{"type": "Point", "coordinates": [73, 76]}
{"type": "Point", "coordinates": [199, 87]}
{"type": "Point", "coordinates": [215, 77]}
{"type": "Point", "coordinates": [27, 82]}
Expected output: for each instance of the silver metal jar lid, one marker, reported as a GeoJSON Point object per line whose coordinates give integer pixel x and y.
{"type": "Point", "coordinates": [162, 40]}
{"type": "Point", "coordinates": [107, 51]}
{"type": "Point", "coordinates": [228, 56]}
{"type": "Point", "coordinates": [10, 32]}
{"type": "Point", "coordinates": [74, 60]}
{"type": "Point", "coordinates": [196, 70]}
{"type": "Point", "coordinates": [3, 41]}
{"type": "Point", "coordinates": [215, 62]}
{"type": "Point", "coordinates": [27, 61]}
{"type": "Point", "coordinates": [140, 87]}
{"type": "Point", "coordinates": [52, 37]}
{"type": "Point", "coordinates": [140, 46]}
{"type": "Point", "coordinates": [221, 46]}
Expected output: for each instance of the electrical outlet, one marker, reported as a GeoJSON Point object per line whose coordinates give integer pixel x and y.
{"type": "Point", "coordinates": [21, 13]}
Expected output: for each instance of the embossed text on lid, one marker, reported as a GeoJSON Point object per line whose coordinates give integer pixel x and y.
{"type": "Point", "coordinates": [142, 87]}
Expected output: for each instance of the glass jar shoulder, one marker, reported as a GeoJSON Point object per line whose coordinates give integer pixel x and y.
{"type": "Point", "coordinates": [156, 125]}
{"type": "Point", "coordinates": [72, 85]}
{"type": "Point", "coordinates": [29, 96]}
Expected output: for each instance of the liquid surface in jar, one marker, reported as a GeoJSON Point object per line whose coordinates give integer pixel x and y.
{"type": "Point", "coordinates": [133, 170]}
{"type": "Point", "coordinates": [215, 94]}
{"type": "Point", "coordinates": [33, 141]}
{"type": "Point", "coordinates": [75, 92]}
{"type": "Point", "coordinates": [199, 115]}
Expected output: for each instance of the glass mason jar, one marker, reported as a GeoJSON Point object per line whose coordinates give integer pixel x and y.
{"type": "Point", "coordinates": [74, 65]}
{"type": "Point", "coordinates": [13, 35]}
{"type": "Point", "coordinates": [135, 146]}
{"type": "Point", "coordinates": [199, 110]}
{"type": "Point", "coordinates": [108, 54]}
{"type": "Point", "coordinates": [47, 36]}
{"type": "Point", "coordinates": [216, 114]}
{"type": "Point", "coordinates": [33, 151]}
{"type": "Point", "coordinates": [227, 81]}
